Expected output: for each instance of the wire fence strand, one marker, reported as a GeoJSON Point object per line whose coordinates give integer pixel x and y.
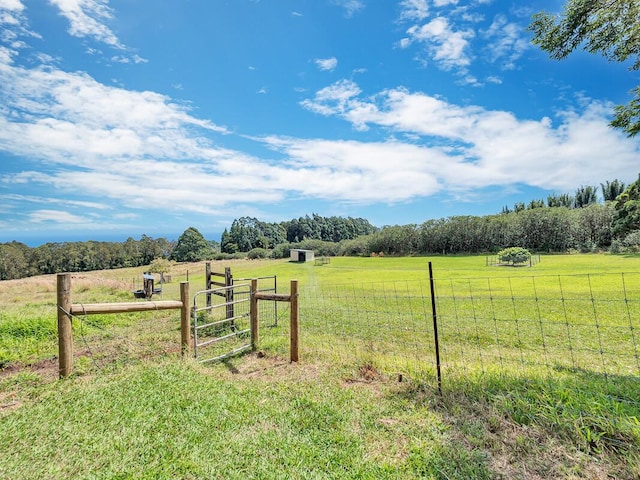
{"type": "Point", "coordinates": [538, 325]}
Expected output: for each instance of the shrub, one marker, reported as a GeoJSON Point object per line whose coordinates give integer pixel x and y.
{"type": "Point", "coordinates": [356, 247]}
{"type": "Point", "coordinates": [229, 256]}
{"type": "Point", "coordinates": [616, 246]}
{"type": "Point", "coordinates": [632, 241]}
{"type": "Point", "coordinates": [256, 253]}
{"type": "Point", "coordinates": [282, 250]}
{"type": "Point", "coordinates": [514, 255]}
{"type": "Point", "coordinates": [320, 247]}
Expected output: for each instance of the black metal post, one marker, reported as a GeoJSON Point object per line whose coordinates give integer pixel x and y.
{"type": "Point", "coordinates": [435, 327]}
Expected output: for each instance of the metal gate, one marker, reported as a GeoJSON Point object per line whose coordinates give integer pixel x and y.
{"type": "Point", "coordinates": [221, 330]}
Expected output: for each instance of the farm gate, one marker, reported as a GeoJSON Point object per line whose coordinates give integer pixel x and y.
{"type": "Point", "coordinates": [221, 330]}
{"type": "Point", "coordinates": [224, 328]}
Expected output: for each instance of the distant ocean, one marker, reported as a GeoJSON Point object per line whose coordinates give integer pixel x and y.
{"type": "Point", "coordinates": [40, 238]}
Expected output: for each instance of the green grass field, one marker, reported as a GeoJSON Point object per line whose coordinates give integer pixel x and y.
{"type": "Point", "coordinates": [539, 376]}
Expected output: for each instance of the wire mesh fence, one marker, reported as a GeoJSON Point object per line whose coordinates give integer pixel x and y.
{"type": "Point", "coordinates": [579, 322]}
{"type": "Point", "coordinates": [383, 324]}
{"type": "Point", "coordinates": [538, 325]}
{"type": "Point", "coordinates": [105, 342]}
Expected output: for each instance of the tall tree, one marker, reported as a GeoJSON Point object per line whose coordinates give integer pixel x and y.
{"type": "Point", "coordinates": [607, 27]}
{"type": "Point", "coordinates": [191, 247]}
{"type": "Point", "coordinates": [627, 215]}
{"type": "Point", "coordinates": [585, 196]}
{"type": "Point", "coordinates": [535, 204]}
{"type": "Point", "coordinates": [13, 260]}
{"type": "Point", "coordinates": [563, 200]}
{"type": "Point", "coordinates": [610, 190]}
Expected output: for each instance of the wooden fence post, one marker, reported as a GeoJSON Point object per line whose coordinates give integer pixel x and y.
{"type": "Point", "coordinates": [294, 317]}
{"type": "Point", "coordinates": [254, 317]}
{"type": "Point", "coordinates": [185, 319]}
{"type": "Point", "coordinates": [65, 332]}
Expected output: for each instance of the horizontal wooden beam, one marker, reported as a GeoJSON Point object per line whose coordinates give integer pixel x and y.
{"type": "Point", "coordinates": [275, 297]}
{"type": "Point", "coordinates": [95, 308]}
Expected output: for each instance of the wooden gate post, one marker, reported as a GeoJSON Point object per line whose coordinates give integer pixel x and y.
{"type": "Point", "coordinates": [294, 317]}
{"type": "Point", "coordinates": [185, 319]}
{"type": "Point", "coordinates": [65, 332]}
{"type": "Point", "coordinates": [254, 316]}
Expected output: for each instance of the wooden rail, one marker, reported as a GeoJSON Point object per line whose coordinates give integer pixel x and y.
{"type": "Point", "coordinates": [67, 309]}
{"type": "Point", "coordinates": [96, 308]}
{"type": "Point", "coordinates": [294, 315]}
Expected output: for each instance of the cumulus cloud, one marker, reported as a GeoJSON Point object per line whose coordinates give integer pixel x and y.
{"type": "Point", "coordinates": [477, 147]}
{"type": "Point", "coordinates": [87, 19]}
{"type": "Point", "coordinates": [415, 10]}
{"type": "Point", "coordinates": [13, 25]}
{"type": "Point", "coordinates": [506, 42]}
{"type": "Point", "coordinates": [327, 64]}
{"type": "Point", "coordinates": [448, 47]}
{"type": "Point", "coordinates": [458, 36]}
{"type": "Point", "coordinates": [11, 5]}
{"type": "Point", "coordinates": [70, 117]}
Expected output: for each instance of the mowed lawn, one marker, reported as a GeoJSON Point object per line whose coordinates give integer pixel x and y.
{"type": "Point", "coordinates": [358, 404]}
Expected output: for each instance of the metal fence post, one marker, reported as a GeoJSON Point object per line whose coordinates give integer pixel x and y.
{"type": "Point", "coordinates": [435, 327]}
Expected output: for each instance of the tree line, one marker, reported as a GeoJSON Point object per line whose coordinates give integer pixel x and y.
{"type": "Point", "coordinates": [585, 225]}
{"type": "Point", "coordinates": [563, 224]}
{"type": "Point", "coordinates": [247, 233]}
{"type": "Point", "coordinates": [18, 260]}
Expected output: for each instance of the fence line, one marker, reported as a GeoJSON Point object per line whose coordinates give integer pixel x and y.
{"type": "Point", "coordinates": [67, 310]}
{"type": "Point", "coordinates": [517, 325]}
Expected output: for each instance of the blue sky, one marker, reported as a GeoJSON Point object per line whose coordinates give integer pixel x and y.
{"type": "Point", "coordinates": [120, 118]}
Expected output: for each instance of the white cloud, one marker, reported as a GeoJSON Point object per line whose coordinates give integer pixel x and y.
{"type": "Point", "coordinates": [11, 5]}
{"type": "Point", "coordinates": [71, 118]}
{"type": "Point", "coordinates": [489, 147]}
{"type": "Point", "coordinates": [47, 200]}
{"type": "Point", "coordinates": [506, 42]}
{"type": "Point", "coordinates": [414, 10]}
{"type": "Point", "coordinates": [333, 99]}
{"type": "Point", "coordinates": [13, 25]}
{"type": "Point", "coordinates": [359, 172]}
{"type": "Point", "coordinates": [129, 149]}
{"type": "Point", "coordinates": [55, 216]}
{"type": "Point", "coordinates": [86, 19]}
{"type": "Point", "coordinates": [327, 64]}
{"type": "Point", "coordinates": [446, 46]}
{"type": "Point", "coordinates": [350, 6]}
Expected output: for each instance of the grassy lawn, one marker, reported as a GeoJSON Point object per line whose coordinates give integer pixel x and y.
{"type": "Point", "coordinates": [362, 403]}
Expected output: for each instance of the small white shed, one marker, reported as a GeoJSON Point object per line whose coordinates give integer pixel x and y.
{"type": "Point", "coordinates": [299, 255]}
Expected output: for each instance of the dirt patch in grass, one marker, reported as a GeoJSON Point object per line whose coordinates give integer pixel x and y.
{"type": "Point", "coordinates": [8, 401]}
{"type": "Point", "coordinates": [47, 368]}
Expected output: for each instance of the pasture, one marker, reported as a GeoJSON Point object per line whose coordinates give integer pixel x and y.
{"type": "Point", "coordinates": [540, 376]}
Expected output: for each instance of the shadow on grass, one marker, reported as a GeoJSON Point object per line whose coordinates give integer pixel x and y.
{"type": "Point", "coordinates": [575, 421]}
